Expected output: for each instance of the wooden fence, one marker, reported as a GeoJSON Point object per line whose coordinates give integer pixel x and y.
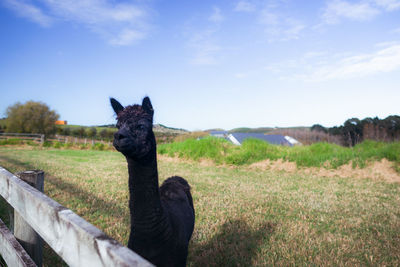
{"type": "Point", "coordinates": [76, 241]}
{"type": "Point", "coordinates": [35, 137]}
{"type": "Point", "coordinates": [77, 140]}
{"type": "Point", "coordinates": [63, 139]}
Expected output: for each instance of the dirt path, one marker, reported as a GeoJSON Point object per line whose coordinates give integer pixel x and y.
{"type": "Point", "coordinates": [381, 170]}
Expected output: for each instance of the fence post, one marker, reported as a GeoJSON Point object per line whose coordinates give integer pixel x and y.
{"type": "Point", "coordinates": [27, 237]}
{"type": "Point", "coordinates": [42, 139]}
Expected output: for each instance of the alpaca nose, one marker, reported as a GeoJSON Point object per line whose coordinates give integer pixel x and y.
{"type": "Point", "coordinates": [119, 136]}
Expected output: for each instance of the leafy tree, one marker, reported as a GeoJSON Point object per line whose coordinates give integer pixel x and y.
{"type": "Point", "coordinates": [392, 124]}
{"type": "Point", "coordinates": [110, 134]}
{"type": "Point", "coordinates": [60, 130]}
{"type": "Point", "coordinates": [103, 133]}
{"type": "Point", "coordinates": [353, 131]}
{"type": "Point", "coordinates": [79, 132]}
{"type": "Point", "coordinates": [318, 128]}
{"type": "Point", "coordinates": [31, 117]}
{"type": "Point", "coordinates": [335, 130]}
{"type": "Point", "coordinates": [67, 131]}
{"type": "Point", "coordinates": [2, 124]}
{"type": "Point", "coordinates": [92, 132]}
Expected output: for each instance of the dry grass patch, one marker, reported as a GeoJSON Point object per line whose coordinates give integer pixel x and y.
{"type": "Point", "coordinates": [380, 170]}
{"type": "Point", "coordinates": [245, 216]}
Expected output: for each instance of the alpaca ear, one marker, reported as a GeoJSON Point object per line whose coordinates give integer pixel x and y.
{"type": "Point", "coordinates": [116, 106]}
{"type": "Point", "coordinates": [146, 105]}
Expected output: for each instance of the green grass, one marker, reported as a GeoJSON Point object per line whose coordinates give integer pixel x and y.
{"type": "Point", "coordinates": [252, 150]}
{"type": "Point", "coordinates": [12, 141]}
{"type": "Point", "coordinates": [206, 148]}
{"type": "Point", "coordinates": [244, 217]}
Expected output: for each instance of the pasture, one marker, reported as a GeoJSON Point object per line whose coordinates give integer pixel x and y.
{"type": "Point", "coordinates": [244, 216]}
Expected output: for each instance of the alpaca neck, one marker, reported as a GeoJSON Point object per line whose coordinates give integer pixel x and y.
{"type": "Point", "coordinates": [145, 203]}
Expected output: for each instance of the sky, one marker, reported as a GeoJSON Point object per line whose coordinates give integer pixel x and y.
{"type": "Point", "coordinates": [204, 64]}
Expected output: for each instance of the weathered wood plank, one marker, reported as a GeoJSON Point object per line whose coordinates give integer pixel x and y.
{"type": "Point", "coordinates": [78, 242]}
{"type": "Point", "coordinates": [23, 232]}
{"type": "Point", "coordinates": [11, 251]}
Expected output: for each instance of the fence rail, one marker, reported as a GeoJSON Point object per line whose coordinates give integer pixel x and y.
{"type": "Point", "coordinates": [64, 139]}
{"type": "Point", "coordinates": [76, 241]}
{"type": "Point", "coordinates": [25, 136]}
{"type": "Point", "coordinates": [12, 251]}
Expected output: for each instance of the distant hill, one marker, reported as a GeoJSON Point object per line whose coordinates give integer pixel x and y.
{"type": "Point", "coordinates": [165, 129]}
{"type": "Point", "coordinates": [251, 130]}
{"type": "Point", "coordinates": [160, 128]}
{"type": "Point", "coordinates": [265, 129]}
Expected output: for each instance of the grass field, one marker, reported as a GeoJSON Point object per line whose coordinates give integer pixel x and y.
{"type": "Point", "coordinates": [328, 155]}
{"type": "Point", "coordinates": [244, 216]}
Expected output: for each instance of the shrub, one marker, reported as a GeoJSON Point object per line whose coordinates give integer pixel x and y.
{"type": "Point", "coordinates": [84, 146]}
{"type": "Point", "coordinates": [47, 144]}
{"type": "Point", "coordinates": [12, 141]}
{"type": "Point", "coordinates": [32, 143]}
{"type": "Point", "coordinates": [68, 145]}
{"type": "Point", "coordinates": [98, 146]}
{"type": "Point", "coordinates": [57, 144]}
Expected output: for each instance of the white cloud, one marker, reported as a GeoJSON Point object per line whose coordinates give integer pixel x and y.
{"type": "Point", "coordinates": [244, 6]}
{"type": "Point", "coordinates": [292, 29]}
{"type": "Point", "coordinates": [279, 27]}
{"type": "Point", "coordinates": [205, 54]}
{"type": "Point", "coordinates": [27, 10]}
{"type": "Point", "coordinates": [338, 9]}
{"type": "Point", "coordinates": [389, 5]}
{"type": "Point", "coordinates": [268, 17]}
{"type": "Point", "coordinates": [119, 23]}
{"type": "Point", "coordinates": [127, 37]}
{"type": "Point", "coordinates": [386, 59]}
{"type": "Point", "coordinates": [397, 30]}
{"type": "Point", "coordinates": [204, 47]}
{"type": "Point", "coordinates": [216, 16]}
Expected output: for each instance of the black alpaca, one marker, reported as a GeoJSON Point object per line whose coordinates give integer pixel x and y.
{"type": "Point", "coordinates": [162, 219]}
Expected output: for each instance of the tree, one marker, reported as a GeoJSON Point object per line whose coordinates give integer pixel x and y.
{"type": "Point", "coordinates": [67, 131]}
{"type": "Point", "coordinates": [392, 125]}
{"type": "Point", "coordinates": [31, 117]}
{"type": "Point", "coordinates": [92, 132]}
{"type": "Point", "coordinates": [353, 131]}
{"type": "Point", "coordinates": [60, 130]}
{"type": "Point", "coordinates": [103, 133]}
{"type": "Point", "coordinates": [79, 132]}
{"type": "Point", "coordinates": [110, 134]}
{"type": "Point", "coordinates": [2, 125]}
{"type": "Point", "coordinates": [319, 128]}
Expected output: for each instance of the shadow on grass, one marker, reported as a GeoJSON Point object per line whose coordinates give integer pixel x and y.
{"type": "Point", "coordinates": [235, 244]}
{"type": "Point", "coordinates": [109, 208]}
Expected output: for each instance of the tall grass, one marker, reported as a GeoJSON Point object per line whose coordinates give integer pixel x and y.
{"type": "Point", "coordinates": [206, 148]}
{"type": "Point", "coordinates": [252, 150]}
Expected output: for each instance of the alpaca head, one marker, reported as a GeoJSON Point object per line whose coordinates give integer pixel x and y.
{"type": "Point", "coordinates": [135, 137]}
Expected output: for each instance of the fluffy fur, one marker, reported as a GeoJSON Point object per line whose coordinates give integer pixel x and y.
{"type": "Point", "coordinates": [162, 219]}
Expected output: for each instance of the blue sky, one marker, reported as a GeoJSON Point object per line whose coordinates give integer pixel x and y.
{"type": "Point", "coordinates": [204, 64]}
